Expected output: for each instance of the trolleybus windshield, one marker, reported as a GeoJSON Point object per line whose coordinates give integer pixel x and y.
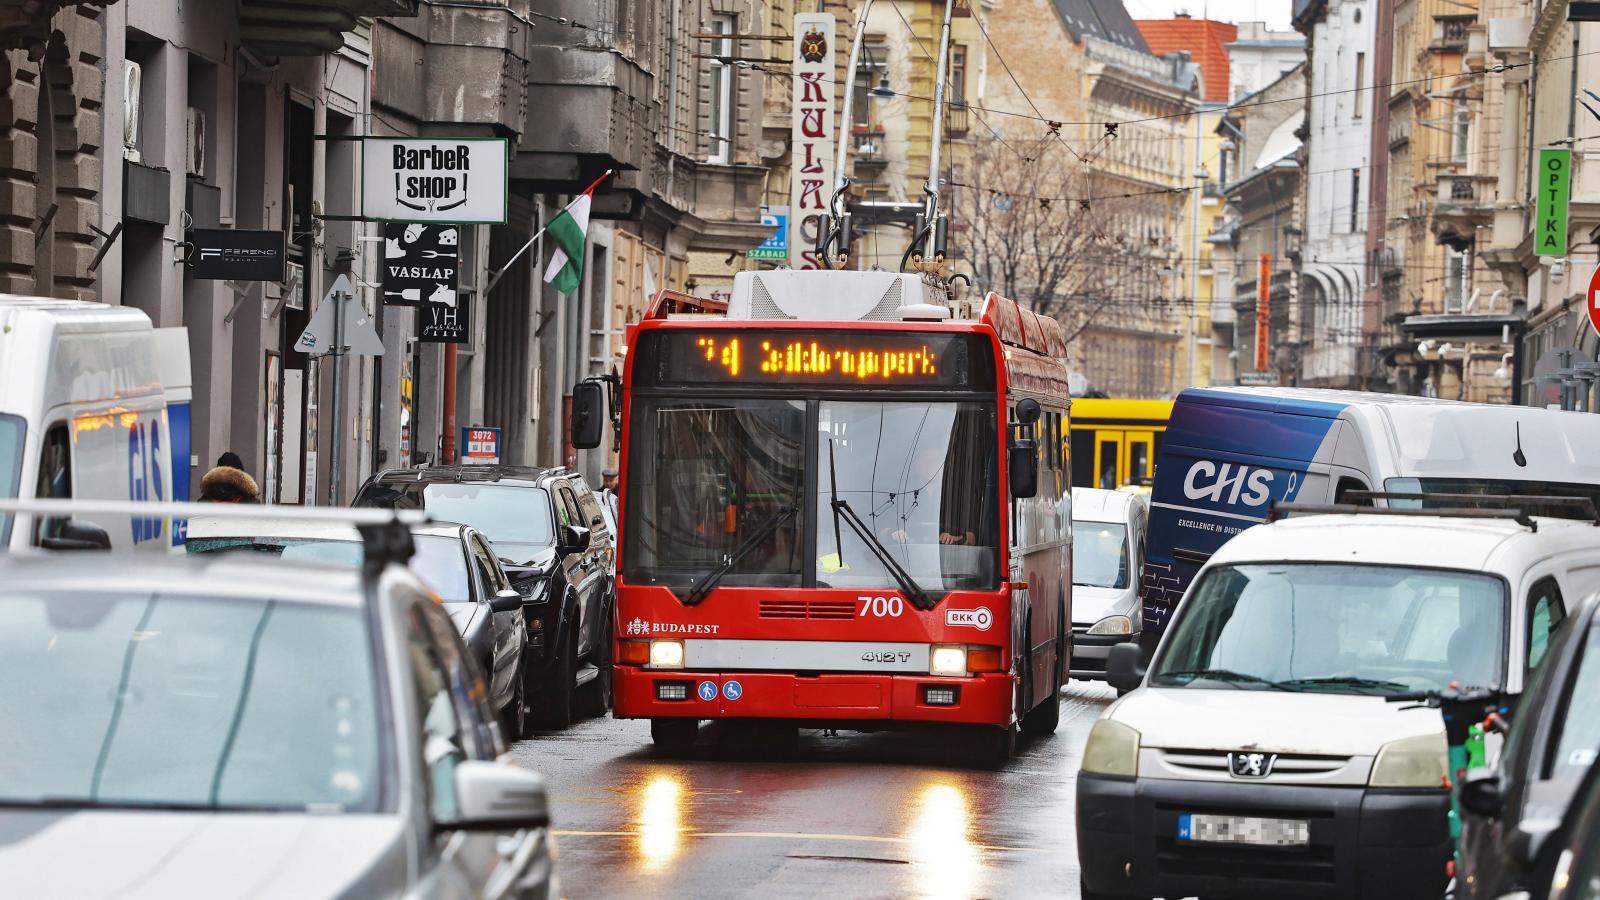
{"type": "Point", "coordinates": [709, 474]}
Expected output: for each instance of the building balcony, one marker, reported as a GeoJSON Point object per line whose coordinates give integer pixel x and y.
{"type": "Point", "coordinates": [958, 119]}
{"type": "Point", "coordinates": [274, 28]}
{"type": "Point", "coordinates": [1451, 34]}
{"type": "Point", "coordinates": [1463, 204]}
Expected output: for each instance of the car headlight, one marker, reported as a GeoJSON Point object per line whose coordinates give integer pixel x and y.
{"type": "Point", "coordinates": [1112, 749]}
{"type": "Point", "coordinates": [666, 654]}
{"type": "Point", "coordinates": [1113, 625]}
{"type": "Point", "coordinates": [947, 659]}
{"type": "Point", "coordinates": [1413, 762]}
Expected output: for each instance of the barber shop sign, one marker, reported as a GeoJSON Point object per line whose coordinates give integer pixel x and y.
{"type": "Point", "coordinates": [460, 180]}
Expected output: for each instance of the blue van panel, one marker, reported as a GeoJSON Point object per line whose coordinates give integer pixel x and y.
{"type": "Point", "coordinates": [178, 427]}
{"type": "Point", "coordinates": [1227, 457]}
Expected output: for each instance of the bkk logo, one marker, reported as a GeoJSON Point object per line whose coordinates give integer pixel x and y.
{"type": "Point", "coordinates": [1227, 483]}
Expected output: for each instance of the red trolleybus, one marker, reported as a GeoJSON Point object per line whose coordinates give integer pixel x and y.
{"type": "Point", "coordinates": [836, 513]}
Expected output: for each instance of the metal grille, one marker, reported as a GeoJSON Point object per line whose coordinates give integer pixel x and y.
{"type": "Point", "coordinates": [888, 309]}
{"type": "Point", "coordinates": [1212, 762]}
{"type": "Point", "coordinates": [808, 609]}
{"type": "Point", "coordinates": [762, 306]}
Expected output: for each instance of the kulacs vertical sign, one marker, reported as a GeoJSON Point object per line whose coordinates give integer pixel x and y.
{"type": "Point", "coordinates": [811, 135]}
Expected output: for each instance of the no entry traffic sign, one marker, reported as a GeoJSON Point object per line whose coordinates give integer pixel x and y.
{"type": "Point", "coordinates": [1592, 300]}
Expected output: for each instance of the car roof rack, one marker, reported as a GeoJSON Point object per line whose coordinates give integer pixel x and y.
{"type": "Point", "coordinates": [385, 534]}
{"type": "Point", "coordinates": [1533, 504]}
{"type": "Point", "coordinates": [1284, 510]}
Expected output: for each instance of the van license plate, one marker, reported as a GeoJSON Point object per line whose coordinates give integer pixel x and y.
{"type": "Point", "coordinates": [1254, 830]}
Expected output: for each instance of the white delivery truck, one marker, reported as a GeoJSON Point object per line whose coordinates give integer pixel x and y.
{"type": "Point", "coordinates": [83, 414]}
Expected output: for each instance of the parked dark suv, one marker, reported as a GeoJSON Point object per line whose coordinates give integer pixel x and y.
{"type": "Point", "coordinates": [554, 544]}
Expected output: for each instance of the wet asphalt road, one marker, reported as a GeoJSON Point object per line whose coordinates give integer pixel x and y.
{"type": "Point", "coordinates": [877, 815]}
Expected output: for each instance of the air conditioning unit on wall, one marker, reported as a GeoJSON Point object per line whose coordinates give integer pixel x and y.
{"type": "Point", "coordinates": [194, 162]}
{"type": "Point", "coordinates": [132, 85]}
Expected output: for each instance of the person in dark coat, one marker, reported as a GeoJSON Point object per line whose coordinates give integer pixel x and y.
{"type": "Point", "coordinates": [228, 484]}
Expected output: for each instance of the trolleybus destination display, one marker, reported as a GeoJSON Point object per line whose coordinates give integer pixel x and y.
{"type": "Point", "coordinates": [926, 359]}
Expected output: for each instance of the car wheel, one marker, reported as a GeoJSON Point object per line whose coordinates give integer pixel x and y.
{"type": "Point", "coordinates": [674, 737]}
{"type": "Point", "coordinates": [553, 710]}
{"type": "Point", "coordinates": [515, 715]}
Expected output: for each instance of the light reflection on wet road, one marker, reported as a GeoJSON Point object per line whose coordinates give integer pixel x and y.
{"type": "Point", "coordinates": [880, 815]}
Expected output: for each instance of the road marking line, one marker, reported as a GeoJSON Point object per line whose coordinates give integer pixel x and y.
{"type": "Point", "coordinates": [795, 835]}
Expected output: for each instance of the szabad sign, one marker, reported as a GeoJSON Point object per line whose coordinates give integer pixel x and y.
{"type": "Point", "coordinates": [811, 135]}
{"type": "Point", "coordinates": [461, 180]}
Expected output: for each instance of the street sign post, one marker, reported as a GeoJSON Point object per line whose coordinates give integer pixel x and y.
{"type": "Point", "coordinates": [1263, 310]}
{"type": "Point", "coordinates": [1550, 213]}
{"type": "Point", "coordinates": [1592, 300]}
{"type": "Point", "coordinates": [342, 315]}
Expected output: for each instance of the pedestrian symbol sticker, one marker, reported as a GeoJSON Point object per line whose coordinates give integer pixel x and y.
{"type": "Point", "coordinates": [707, 690]}
{"type": "Point", "coordinates": [732, 690]}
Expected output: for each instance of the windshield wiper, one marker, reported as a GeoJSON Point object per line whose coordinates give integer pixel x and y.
{"type": "Point", "coordinates": [1350, 681]}
{"type": "Point", "coordinates": [913, 591]}
{"type": "Point", "coordinates": [752, 542]}
{"type": "Point", "coordinates": [143, 805]}
{"type": "Point", "coordinates": [1227, 676]}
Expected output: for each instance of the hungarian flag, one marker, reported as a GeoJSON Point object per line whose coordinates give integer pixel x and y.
{"type": "Point", "coordinates": [568, 229]}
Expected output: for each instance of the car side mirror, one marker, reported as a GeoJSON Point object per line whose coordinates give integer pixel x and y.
{"type": "Point", "coordinates": [494, 796]}
{"type": "Point", "coordinates": [588, 415]}
{"type": "Point", "coordinates": [1480, 793]}
{"type": "Point", "coordinates": [1125, 667]}
{"type": "Point", "coordinates": [76, 535]}
{"type": "Point", "coordinates": [574, 539]}
{"type": "Point", "coordinates": [505, 601]}
{"type": "Point", "coordinates": [1022, 467]}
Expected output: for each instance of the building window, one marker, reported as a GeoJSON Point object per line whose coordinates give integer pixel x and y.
{"type": "Point", "coordinates": [1460, 122]}
{"type": "Point", "coordinates": [1361, 84]}
{"type": "Point", "coordinates": [1355, 198]}
{"type": "Point", "coordinates": [958, 75]}
{"type": "Point", "coordinates": [871, 68]}
{"type": "Point", "coordinates": [721, 70]}
{"type": "Point", "coordinates": [1455, 280]}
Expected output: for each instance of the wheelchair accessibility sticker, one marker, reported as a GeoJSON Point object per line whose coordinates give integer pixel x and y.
{"type": "Point", "coordinates": [707, 690]}
{"type": "Point", "coordinates": [732, 690]}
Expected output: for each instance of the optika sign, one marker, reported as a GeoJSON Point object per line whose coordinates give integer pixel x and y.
{"type": "Point", "coordinates": [434, 180]}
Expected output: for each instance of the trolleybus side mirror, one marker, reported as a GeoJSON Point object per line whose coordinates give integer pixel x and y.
{"type": "Point", "coordinates": [1022, 467]}
{"type": "Point", "coordinates": [1125, 666]}
{"type": "Point", "coordinates": [588, 414]}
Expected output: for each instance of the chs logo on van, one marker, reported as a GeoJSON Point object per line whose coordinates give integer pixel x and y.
{"type": "Point", "coordinates": [1227, 483]}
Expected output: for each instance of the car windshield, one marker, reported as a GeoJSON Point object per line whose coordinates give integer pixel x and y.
{"type": "Point", "coordinates": [516, 520]}
{"type": "Point", "coordinates": [186, 701]}
{"type": "Point", "coordinates": [1345, 628]}
{"type": "Point", "coordinates": [438, 559]}
{"type": "Point", "coordinates": [921, 478]}
{"type": "Point", "coordinates": [12, 431]}
{"type": "Point", "coordinates": [705, 478]}
{"type": "Point", "coordinates": [1100, 555]}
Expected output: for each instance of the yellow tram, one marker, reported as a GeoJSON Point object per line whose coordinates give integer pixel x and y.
{"type": "Point", "coordinates": [1115, 442]}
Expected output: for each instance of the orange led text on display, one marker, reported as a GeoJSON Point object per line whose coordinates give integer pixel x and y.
{"type": "Point", "coordinates": [812, 357]}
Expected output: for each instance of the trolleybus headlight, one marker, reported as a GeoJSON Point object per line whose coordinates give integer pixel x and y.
{"type": "Point", "coordinates": [947, 659]}
{"type": "Point", "coordinates": [666, 654]}
{"type": "Point", "coordinates": [1413, 762]}
{"type": "Point", "coordinates": [1112, 749]}
{"type": "Point", "coordinates": [1113, 625]}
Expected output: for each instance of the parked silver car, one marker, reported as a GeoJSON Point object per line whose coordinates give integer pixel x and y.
{"type": "Point", "coordinates": [224, 726]}
{"type": "Point", "coordinates": [454, 561]}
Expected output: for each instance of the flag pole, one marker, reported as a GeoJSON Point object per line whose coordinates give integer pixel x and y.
{"type": "Point", "coordinates": [500, 273]}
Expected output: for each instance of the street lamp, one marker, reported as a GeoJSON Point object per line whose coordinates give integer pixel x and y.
{"type": "Point", "coordinates": [882, 91]}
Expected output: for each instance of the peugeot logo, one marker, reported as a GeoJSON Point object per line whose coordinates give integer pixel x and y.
{"type": "Point", "coordinates": [1251, 765]}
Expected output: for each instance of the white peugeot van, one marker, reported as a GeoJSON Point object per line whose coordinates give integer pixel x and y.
{"type": "Point", "coordinates": [1260, 756]}
{"type": "Point", "coordinates": [1108, 533]}
{"type": "Point", "coordinates": [83, 414]}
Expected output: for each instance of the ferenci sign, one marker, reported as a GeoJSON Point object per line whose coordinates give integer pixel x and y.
{"type": "Point", "coordinates": [458, 180]}
{"type": "Point", "coordinates": [811, 162]}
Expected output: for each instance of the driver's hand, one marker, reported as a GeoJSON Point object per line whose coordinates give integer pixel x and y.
{"type": "Point", "coordinates": [945, 538]}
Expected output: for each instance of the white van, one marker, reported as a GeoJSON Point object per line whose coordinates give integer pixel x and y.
{"type": "Point", "coordinates": [1260, 755]}
{"type": "Point", "coordinates": [1108, 546]}
{"type": "Point", "coordinates": [83, 414]}
{"type": "Point", "coordinates": [1229, 454]}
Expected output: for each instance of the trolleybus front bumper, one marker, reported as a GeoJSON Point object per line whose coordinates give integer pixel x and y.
{"type": "Point", "coordinates": [642, 693]}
